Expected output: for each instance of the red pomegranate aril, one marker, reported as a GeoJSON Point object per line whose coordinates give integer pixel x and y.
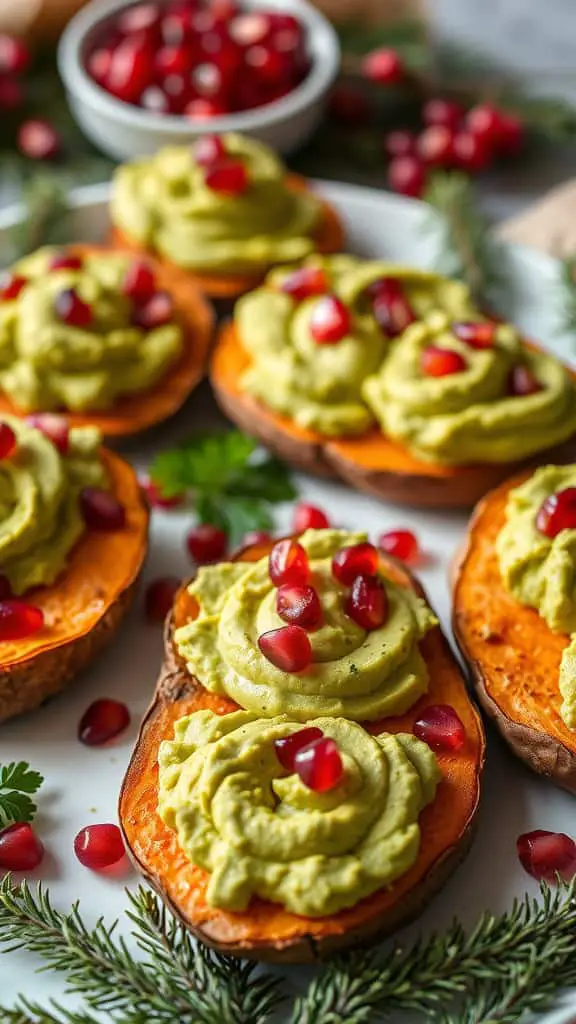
{"type": "Point", "coordinates": [287, 747]}
{"type": "Point", "coordinates": [101, 510]}
{"type": "Point", "coordinates": [522, 382]}
{"type": "Point", "coordinates": [139, 18]}
{"type": "Point", "coordinates": [228, 177]}
{"type": "Point", "coordinates": [268, 63]}
{"type": "Point", "coordinates": [139, 281]}
{"type": "Point", "coordinates": [309, 517]}
{"type": "Point", "coordinates": [401, 544]}
{"type": "Point", "coordinates": [438, 111]}
{"type": "Point", "coordinates": [441, 728]}
{"type": "Point", "coordinates": [98, 65]}
{"type": "Point", "coordinates": [383, 66]}
{"type": "Point", "coordinates": [545, 855]}
{"type": "Point", "coordinates": [557, 512]}
{"type": "Point", "coordinates": [225, 10]}
{"type": "Point", "coordinates": [250, 28]}
{"type": "Point", "coordinates": [159, 597]}
{"type": "Point", "coordinates": [175, 25]}
{"type": "Point", "coordinates": [330, 320]}
{"type": "Point", "coordinates": [349, 105]}
{"type": "Point", "coordinates": [471, 152]}
{"type": "Point", "coordinates": [319, 765]}
{"type": "Point", "coordinates": [206, 543]}
{"type": "Point", "coordinates": [131, 70]}
{"type": "Point", "coordinates": [255, 537]}
{"type": "Point", "coordinates": [304, 282]}
{"type": "Point", "coordinates": [71, 309]}
{"type": "Point", "coordinates": [209, 149]}
{"type": "Point", "coordinates": [38, 140]}
{"type": "Point", "coordinates": [477, 335]}
{"type": "Point", "coordinates": [435, 146]}
{"type": "Point", "coordinates": [11, 94]}
{"type": "Point", "coordinates": [400, 143]}
{"type": "Point", "coordinates": [154, 494]}
{"type": "Point", "coordinates": [103, 721]}
{"type": "Point", "coordinates": [207, 81]}
{"type": "Point", "coordinates": [154, 312]}
{"type": "Point", "coordinates": [155, 100]}
{"type": "Point", "coordinates": [407, 175]}
{"type": "Point", "coordinates": [441, 362]}
{"type": "Point", "coordinates": [511, 136]}
{"type": "Point", "coordinates": [18, 619]}
{"type": "Point", "coordinates": [177, 91]}
{"type": "Point", "coordinates": [65, 261]}
{"type": "Point", "coordinates": [367, 602]}
{"type": "Point", "coordinates": [54, 427]}
{"type": "Point", "coordinates": [202, 109]}
{"type": "Point", "coordinates": [7, 441]}
{"type": "Point", "coordinates": [14, 55]}
{"type": "Point", "coordinates": [288, 563]}
{"type": "Point", "coordinates": [390, 307]}
{"type": "Point", "coordinates": [11, 285]}
{"type": "Point", "coordinates": [484, 121]}
{"type": "Point", "coordinates": [299, 606]}
{"type": "Point", "coordinates": [173, 60]}
{"type": "Point", "coordinates": [355, 560]}
{"type": "Point", "coordinates": [20, 848]}
{"type": "Point", "coordinates": [287, 648]}
{"type": "Point", "coordinates": [99, 846]}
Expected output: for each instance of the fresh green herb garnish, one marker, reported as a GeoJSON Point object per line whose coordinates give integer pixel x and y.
{"type": "Point", "coordinates": [17, 781]}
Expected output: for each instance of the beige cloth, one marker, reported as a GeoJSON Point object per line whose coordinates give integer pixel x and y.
{"type": "Point", "coordinates": [548, 224]}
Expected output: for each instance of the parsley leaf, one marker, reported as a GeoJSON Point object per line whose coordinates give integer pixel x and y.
{"type": "Point", "coordinates": [17, 780]}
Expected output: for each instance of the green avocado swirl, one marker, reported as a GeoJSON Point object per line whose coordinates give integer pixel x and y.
{"type": "Point", "coordinates": [468, 417]}
{"type": "Point", "coordinates": [260, 831]}
{"type": "Point", "coordinates": [358, 674]}
{"type": "Point", "coordinates": [47, 364]}
{"type": "Point", "coordinates": [40, 517]}
{"type": "Point", "coordinates": [163, 203]}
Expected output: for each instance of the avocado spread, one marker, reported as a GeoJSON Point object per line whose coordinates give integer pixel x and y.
{"type": "Point", "coordinates": [163, 203]}
{"type": "Point", "coordinates": [540, 571]}
{"type": "Point", "coordinates": [469, 416]}
{"type": "Point", "coordinates": [40, 517]}
{"type": "Point", "coordinates": [358, 674]}
{"type": "Point", "coordinates": [48, 364]}
{"type": "Point", "coordinates": [260, 831]}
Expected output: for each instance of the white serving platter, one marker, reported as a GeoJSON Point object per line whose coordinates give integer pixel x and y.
{"type": "Point", "coordinates": [82, 785]}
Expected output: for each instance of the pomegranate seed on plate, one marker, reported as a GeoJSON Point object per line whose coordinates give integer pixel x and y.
{"type": "Point", "coordinates": [254, 537]}
{"type": "Point", "coordinates": [288, 563]}
{"type": "Point", "coordinates": [14, 55]}
{"type": "Point", "coordinates": [441, 362]}
{"type": "Point", "coordinates": [103, 721]}
{"type": "Point", "coordinates": [349, 104]}
{"type": "Point", "coordinates": [131, 70]}
{"type": "Point", "coordinates": [11, 94]}
{"type": "Point", "coordinates": [287, 747]}
{"type": "Point", "coordinates": [400, 143]}
{"type": "Point", "coordinates": [309, 517]}
{"type": "Point", "coordinates": [249, 28]}
{"type": "Point", "coordinates": [390, 306]}
{"type": "Point", "coordinates": [101, 510]}
{"type": "Point", "coordinates": [484, 121]}
{"type": "Point", "coordinates": [18, 619]}
{"type": "Point", "coordinates": [138, 18]}
{"type": "Point", "coordinates": [330, 320]}
{"type": "Point", "coordinates": [438, 111]}
{"type": "Point", "coordinates": [201, 109]}
{"type": "Point", "coordinates": [287, 648]}
{"type": "Point", "coordinates": [435, 146]}
{"type": "Point", "coordinates": [400, 544]}
{"type": "Point", "coordinates": [98, 65]}
{"type": "Point", "coordinates": [477, 335]}
{"type": "Point", "coordinates": [38, 140]}
{"type": "Point", "coordinates": [384, 66]}
{"type": "Point", "coordinates": [304, 282]}
{"type": "Point", "coordinates": [355, 560]}
{"type": "Point", "coordinates": [557, 512]}
{"type": "Point", "coordinates": [159, 597]}
{"type": "Point", "coordinates": [154, 311]}
{"type": "Point", "coordinates": [209, 149]}
{"type": "Point", "coordinates": [20, 848]}
{"type": "Point", "coordinates": [299, 606]}
{"type": "Point", "coordinates": [367, 602]}
{"type": "Point", "coordinates": [319, 765]}
{"type": "Point", "coordinates": [206, 543]}
{"type": "Point", "coordinates": [441, 728]}
{"type": "Point", "coordinates": [544, 855]}
{"type": "Point", "coordinates": [7, 441]}
{"type": "Point", "coordinates": [471, 153]}
{"type": "Point", "coordinates": [154, 494]}
{"type": "Point", "coordinates": [11, 285]}
{"type": "Point", "coordinates": [99, 846]}
{"type": "Point", "coordinates": [71, 309]}
{"type": "Point", "coordinates": [139, 281]}
{"type": "Point", "coordinates": [407, 175]}
{"type": "Point", "coordinates": [54, 427]}
{"type": "Point", "coordinates": [523, 382]}
{"type": "Point", "coordinates": [228, 177]}
{"type": "Point", "coordinates": [65, 261]}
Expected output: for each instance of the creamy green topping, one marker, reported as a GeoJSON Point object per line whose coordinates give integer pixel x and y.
{"type": "Point", "coordinates": [163, 203]}
{"type": "Point", "coordinates": [260, 831]}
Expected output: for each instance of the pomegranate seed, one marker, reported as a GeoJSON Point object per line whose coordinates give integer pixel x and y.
{"type": "Point", "coordinates": [440, 727]}
{"type": "Point", "coordinates": [229, 177]}
{"type": "Point", "coordinates": [154, 494]}
{"type": "Point", "coordinates": [484, 121]}
{"type": "Point", "coordinates": [250, 28]}
{"type": "Point", "coordinates": [511, 138]}
{"type": "Point", "coordinates": [103, 721]}
{"type": "Point", "coordinates": [98, 65]}
{"type": "Point", "coordinates": [203, 22]}
{"type": "Point", "coordinates": [400, 544]}
{"type": "Point", "coordinates": [319, 765]}
{"type": "Point", "coordinates": [299, 606]}
{"type": "Point", "coordinates": [131, 70]}
{"type": "Point", "coordinates": [11, 285]}
{"type": "Point", "coordinates": [18, 619]}
{"type": "Point", "coordinates": [384, 66]}
{"type": "Point", "coordinates": [287, 747]}
{"type": "Point", "coordinates": [523, 382]}
{"type": "Point", "coordinates": [139, 281]}
{"type": "Point", "coordinates": [101, 510]}
{"type": "Point", "coordinates": [209, 150]}
{"type": "Point", "coordinates": [442, 112]}
{"type": "Point", "coordinates": [477, 335]}
{"type": "Point", "coordinates": [557, 512]}
{"type": "Point", "coordinates": [7, 441]}
{"type": "Point", "coordinates": [11, 94]}
{"type": "Point", "coordinates": [54, 427]}
{"type": "Point", "coordinates": [159, 597]}
{"type": "Point", "coordinates": [288, 563]}
{"type": "Point", "coordinates": [154, 312]}
{"type": "Point", "coordinates": [306, 281]}
{"type": "Point", "coordinates": [255, 537]}
{"type": "Point", "coordinates": [390, 306]}
{"type": "Point", "coordinates": [349, 104]}
{"type": "Point", "coordinates": [138, 19]}
{"type": "Point", "coordinates": [269, 64]}
{"type": "Point", "coordinates": [38, 140]}
{"type": "Point", "coordinates": [544, 855]}
{"type": "Point", "coordinates": [14, 55]}
{"type": "Point", "coordinates": [400, 143]}
{"type": "Point", "coordinates": [225, 10]}
{"type": "Point", "coordinates": [99, 846]}
{"type": "Point", "coordinates": [207, 81]}
{"type": "Point", "coordinates": [20, 848]}
{"type": "Point", "coordinates": [330, 320]}
{"type": "Point", "coordinates": [71, 309]}
{"type": "Point", "coordinates": [154, 100]}
{"type": "Point", "coordinates": [287, 648]}
{"type": "Point", "coordinates": [202, 109]}
{"type": "Point", "coordinates": [174, 60]}
{"type": "Point", "coordinates": [407, 176]}
{"type": "Point", "coordinates": [177, 92]}
{"type": "Point", "coordinates": [5, 587]}
{"type": "Point", "coordinates": [174, 26]}
{"type": "Point", "coordinates": [440, 362]}
{"type": "Point", "coordinates": [206, 543]}
{"type": "Point", "coordinates": [308, 517]}
{"type": "Point", "coordinates": [471, 153]}
{"type": "Point", "coordinates": [65, 261]}
{"type": "Point", "coordinates": [436, 146]}
{"type": "Point", "coordinates": [367, 602]}
{"type": "Point", "coordinates": [355, 560]}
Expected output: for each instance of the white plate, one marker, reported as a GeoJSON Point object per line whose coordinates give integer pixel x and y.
{"type": "Point", "coordinates": [82, 785]}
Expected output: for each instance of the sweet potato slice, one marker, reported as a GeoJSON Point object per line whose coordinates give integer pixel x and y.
{"type": "Point", "coordinates": [266, 931]}
{"type": "Point", "coordinates": [514, 657]}
{"type": "Point", "coordinates": [134, 413]}
{"type": "Point", "coordinates": [84, 608]}
{"type": "Point", "coordinates": [371, 463]}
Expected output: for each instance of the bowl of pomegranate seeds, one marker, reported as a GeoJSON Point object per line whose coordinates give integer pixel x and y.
{"type": "Point", "coordinates": [143, 75]}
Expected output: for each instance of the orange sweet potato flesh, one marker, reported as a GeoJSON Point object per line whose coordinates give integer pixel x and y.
{"type": "Point", "coordinates": [134, 413]}
{"type": "Point", "coordinates": [329, 238]}
{"type": "Point", "coordinates": [83, 607]}
{"type": "Point", "coordinates": [513, 656]}
{"type": "Point", "coordinates": [372, 462]}
{"type": "Point", "coordinates": [266, 931]}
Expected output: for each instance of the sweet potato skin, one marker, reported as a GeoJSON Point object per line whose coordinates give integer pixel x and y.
{"type": "Point", "coordinates": [498, 638]}
{"type": "Point", "coordinates": [266, 931]}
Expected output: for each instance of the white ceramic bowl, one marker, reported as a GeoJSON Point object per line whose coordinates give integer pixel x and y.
{"type": "Point", "coordinates": [123, 131]}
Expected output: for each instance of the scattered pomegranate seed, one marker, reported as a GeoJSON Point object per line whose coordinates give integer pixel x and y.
{"type": "Point", "coordinates": [299, 606]}
{"type": "Point", "coordinates": [308, 517]}
{"type": "Point", "coordinates": [202, 109]}
{"type": "Point", "coordinates": [5, 587]}
{"type": "Point", "coordinates": [400, 544]}
{"type": "Point", "coordinates": [54, 427]}
{"type": "Point", "coordinates": [355, 560]}
{"type": "Point", "coordinates": [101, 510]}
{"type": "Point", "coordinates": [103, 721]}
{"type": "Point", "coordinates": [208, 150]}
{"type": "Point", "coordinates": [14, 55]}
{"type": "Point", "coordinates": [154, 312]}
{"type": "Point", "coordinates": [154, 494]}
{"type": "Point", "coordinates": [65, 261]}
{"type": "Point", "coordinates": [159, 597]}
{"type": "Point", "coordinates": [288, 563]}
{"type": "Point", "coordinates": [477, 335]}
{"type": "Point", "coordinates": [319, 765]}
{"type": "Point", "coordinates": [38, 140]}
{"type": "Point", "coordinates": [287, 747]}
{"type": "Point", "coordinates": [436, 146]}
{"type": "Point", "coordinates": [390, 306]}
{"type": "Point", "coordinates": [439, 111]}
{"type": "Point", "coordinates": [139, 281]}
{"type": "Point", "coordinates": [544, 855]}
{"type": "Point", "coordinates": [18, 619]}
{"type": "Point", "coordinates": [441, 362]}
{"type": "Point", "coordinates": [71, 309]}
{"type": "Point", "coordinates": [441, 728]}
{"type": "Point", "coordinates": [255, 537]}
{"type": "Point", "coordinates": [400, 143]}
{"type": "Point", "coordinates": [471, 153]}
{"type": "Point", "coordinates": [130, 69]}
{"type": "Point", "coordinates": [11, 285]}
{"type": "Point", "coordinates": [367, 602]}
{"type": "Point", "coordinates": [484, 121]}
{"type": "Point", "coordinates": [20, 848]}
{"type": "Point", "coordinates": [330, 320]}
{"type": "Point", "coordinates": [206, 543]}
{"type": "Point", "coordinates": [306, 281]}
{"type": "Point", "coordinates": [99, 846]}
{"type": "Point", "coordinates": [557, 512]}
{"type": "Point", "coordinates": [348, 104]}
{"type": "Point", "coordinates": [523, 382]}
{"type": "Point", "coordinates": [138, 18]}
{"type": "Point", "coordinates": [384, 66]}
{"type": "Point", "coordinates": [406, 175]}
{"type": "Point", "coordinates": [11, 94]}
{"type": "Point", "coordinates": [7, 441]}
{"type": "Point", "coordinates": [287, 648]}
{"type": "Point", "coordinates": [228, 177]}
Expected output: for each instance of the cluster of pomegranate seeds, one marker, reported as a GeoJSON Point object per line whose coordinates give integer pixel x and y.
{"type": "Point", "coordinates": [206, 543]}
{"type": "Point", "coordinates": [199, 59]}
{"type": "Point", "coordinates": [390, 306]}
{"type": "Point", "coordinates": [545, 855]}
{"type": "Point", "coordinates": [154, 494]}
{"type": "Point", "coordinates": [355, 560]}
{"type": "Point", "coordinates": [287, 747]}
{"type": "Point", "coordinates": [103, 721]}
{"type": "Point", "coordinates": [71, 309]}
{"type": "Point", "coordinates": [299, 606]}
{"type": "Point", "coordinates": [54, 427]}
{"type": "Point", "coordinates": [288, 564]}
{"type": "Point", "coordinates": [65, 261]}
{"type": "Point", "coordinates": [441, 728]}
{"type": "Point", "coordinates": [306, 281]}
{"type": "Point", "coordinates": [402, 544]}
{"type": "Point", "coordinates": [309, 517]}
{"type": "Point", "coordinates": [330, 320]}
{"type": "Point", "coordinates": [287, 648]}
{"type": "Point", "coordinates": [319, 765]}
{"type": "Point", "coordinates": [557, 513]}
{"type": "Point", "coordinates": [523, 382]}
{"type": "Point", "coordinates": [20, 848]}
{"type": "Point", "coordinates": [101, 510]}
{"type": "Point", "coordinates": [159, 597]}
{"type": "Point", "coordinates": [367, 602]}
{"type": "Point", "coordinates": [18, 619]}
{"type": "Point", "coordinates": [7, 441]}
{"type": "Point", "coordinates": [477, 335]}
{"type": "Point", "coordinates": [11, 285]}
{"type": "Point", "coordinates": [436, 361]}
{"type": "Point", "coordinates": [99, 846]}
